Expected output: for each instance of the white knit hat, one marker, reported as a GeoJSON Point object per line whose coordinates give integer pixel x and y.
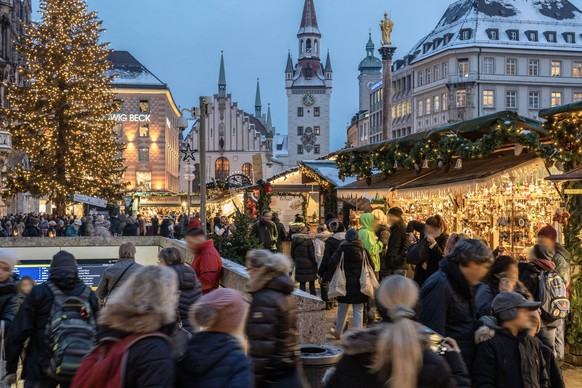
{"type": "Point", "coordinates": [9, 257]}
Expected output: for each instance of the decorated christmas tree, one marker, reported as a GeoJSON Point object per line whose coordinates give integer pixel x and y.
{"type": "Point", "coordinates": [59, 118]}
{"type": "Point", "coordinates": [235, 246]}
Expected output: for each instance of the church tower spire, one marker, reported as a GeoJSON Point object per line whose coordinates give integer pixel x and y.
{"type": "Point", "coordinates": [258, 104]}
{"type": "Point", "coordinates": [309, 34]}
{"type": "Point", "coordinates": [269, 122]}
{"type": "Point", "coordinates": [222, 78]}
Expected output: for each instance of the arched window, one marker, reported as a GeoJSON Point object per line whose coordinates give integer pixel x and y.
{"type": "Point", "coordinates": [308, 46]}
{"type": "Point", "coordinates": [302, 47]}
{"type": "Point", "coordinates": [222, 168]}
{"type": "Point", "coordinates": [247, 169]}
{"type": "Point", "coordinates": [316, 47]}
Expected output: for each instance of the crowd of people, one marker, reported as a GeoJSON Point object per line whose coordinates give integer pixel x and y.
{"type": "Point", "coordinates": [429, 310]}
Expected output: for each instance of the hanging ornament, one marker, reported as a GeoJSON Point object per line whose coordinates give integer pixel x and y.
{"type": "Point", "coordinates": [518, 149]}
{"type": "Point", "coordinates": [425, 163]}
{"type": "Point", "coordinates": [440, 164]}
{"type": "Point", "coordinates": [560, 166]}
{"type": "Point", "coordinates": [459, 164]}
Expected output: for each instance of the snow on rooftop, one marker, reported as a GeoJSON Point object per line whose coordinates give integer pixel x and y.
{"type": "Point", "coordinates": [132, 77]}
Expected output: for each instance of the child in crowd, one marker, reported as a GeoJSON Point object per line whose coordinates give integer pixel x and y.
{"type": "Point", "coordinates": [24, 287]}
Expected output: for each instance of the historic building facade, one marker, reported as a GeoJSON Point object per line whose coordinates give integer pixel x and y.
{"type": "Point", "coordinates": [309, 84]}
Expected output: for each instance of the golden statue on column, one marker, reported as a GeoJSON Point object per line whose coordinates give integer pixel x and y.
{"type": "Point", "coordinates": [386, 26]}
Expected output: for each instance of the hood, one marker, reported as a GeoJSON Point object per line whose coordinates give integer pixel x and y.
{"type": "Point", "coordinates": [367, 220]}
{"type": "Point", "coordinates": [355, 243]}
{"type": "Point", "coordinates": [323, 236]}
{"type": "Point", "coordinates": [302, 237]}
{"type": "Point", "coordinates": [273, 281]}
{"type": "Point", "coordinates": [206, 350]}
{"type": "Point", "coordinates": [208, 244]}
{"type": "Point", "coordinates": [340, 236]}
{"type": "Point", "coordinates": [486, 333]}
{"type": "Point", "coordinates": [186, 277]}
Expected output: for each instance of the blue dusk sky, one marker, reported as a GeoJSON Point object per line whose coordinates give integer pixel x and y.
{"type": "Point", "coordinates": [180, 42]}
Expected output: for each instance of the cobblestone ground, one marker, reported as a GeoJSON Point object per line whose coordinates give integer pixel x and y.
{"type": "Point", "coordinates": [572, 375]}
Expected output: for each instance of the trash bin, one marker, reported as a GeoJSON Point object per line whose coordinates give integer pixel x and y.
{"type": "Point", "coordinates": [317, 360]}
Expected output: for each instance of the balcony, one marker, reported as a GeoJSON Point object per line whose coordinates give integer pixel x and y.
{"type": "Point", "coordinates": [462, 79]}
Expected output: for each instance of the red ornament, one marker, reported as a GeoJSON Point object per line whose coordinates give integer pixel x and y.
{"type": "Point", "coordinates": [268, 188]}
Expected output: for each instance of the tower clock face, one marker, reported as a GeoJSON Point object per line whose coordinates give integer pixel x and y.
{"type": "Point", "coordinates": [308, 100]}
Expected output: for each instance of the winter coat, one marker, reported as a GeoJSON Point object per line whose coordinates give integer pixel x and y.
{"type": "Point", "coordinates": [369, 239]}
{"type": "Point", "coordinates": [155, 225]}
{"type": "Point", "coordinates": [281, 233]}
{"type": "Point", "coordinates": [353, 370]}
{"type": "Point", "coordinates": [429, 258]}
{"type": "Point", "coordinates": [89, 230]}
{"type": "Point", "coordinates": [31, 231]}
{"type": "Point", "coordinates": [331, 245]}
{"type": "Point", "coordinates": [115, 227]}
{"type": "Point", "coordinates": [9, 302]}
{"type": "Point", "coordinates": [562, 260]}
{"type": "Point", "coordinates": [272, 329]}
{"type": "Point", "coordinates": [505, 360]}
{"type": "Point", "coordinates": [353, 253]}
{"type": "Point", "coordinates": [190, 290]}
{"type": "Point", "coordinates": [194, 223]}
{"type": "Point", "coordinates": [31, 321]}
{"type": "Point", "coordinates": [165, 228]}
{"type": "Point", "coordinates": [303, 253]}
{"type": "Point", "coordinates": [447, 307]}
{"type": "Point", "coordinates": [214, 360]}
{"type": "Point", "coordinates": [130, 230]}
{"type": "Point", "coordinates": [397, 248]}
{"type": "Point", "coordinates": [553, 368]}
{"type": "Point", "coordinates": [102, 231]}
{"type": "Point", "coordinates": [484, 295]}
{"type": "Point", "coordinates": [266, 232]}
{"type": "Point", "coordinates": [319, 245]}
{"type": "Point", "coordinates": [112, 277]}
{"type": "Point", "coordinates": [207, 265]}
{"type": "Point", "coordinates": [71, 231]}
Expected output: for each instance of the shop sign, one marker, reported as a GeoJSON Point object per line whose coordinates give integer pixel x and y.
{"type": "Point", "coordinates": [92, 201]}
{"type": "Point", "coordinates": [123, 117]}
{"type": "Point", "coordinates": [573, 191]}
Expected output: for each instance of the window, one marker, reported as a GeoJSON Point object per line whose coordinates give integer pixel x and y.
{"type": "Point", "coordinates": [279, 147]}
{"type": "Point", "coordinates": [577, 96]}
{"type": "Point", "coordinates": [445, 69]}
{"type": "Point", "coordinates": [569, 37]}
{"type": "Point", "coordinates": [143, 180]}
{"type": "Point", "coordinates": [316, 111]}
{"type": "Point", "coordinates": [221, 168]}
{"type": "Point", "coordinates": [445, 101]}
{"type": "Point", "coordinates": [316, 149]}
{"type": "Point", "coordinates": [317, 130]}
{"type": "Point", "coordinates": [556, 68]}
{"type": "Point", "coordinates": [510, 66]}
{"type": "Point", "coordinates": [428, 107]}
{"type": "Point", "coordinates": [299, 149]}
{"type": "Point", "coordinates": [513, 34]}
{"type": "Point", "coordinates": [428, 74]}
{"type": "Point", "coordinates": [465, 34]}
{"type": "Point", "coordinates": [300, 112]}
{"type": "Point", "coordinates": [308, 71]}
{"type": "Point", "coordinates": [511, 99]}
{"type": "Point", "coordinates": [488, 65]}
{"type": "Point", "coordinates": [551, 37]}
{"type": "Point", "coordinates": [488, 99]}
{"type": "Point", "coordinates": [437, 103]}
{"type": "Point", "coordinates": [118, 130]}
{"type": "Point", "coordinates": [143, 154]}
{"type": "Point", "coordinates": [247, 169]}
{"type": "Point", "coordinates": [419, 108]}
{"type": "Point", "coordinates": [144, 130]}
{"type": "Point", "coordinates": [299, 131]}
{"type": "Point", "coordinates": [556, 98]}
{"type": "Point", "coordinates": [420, 78]}
{"type": "Point", "coordinates": [532, 36]}
{"type": "Point", "coordinates": [463, 67]}
{"type": "Point", "coordinates": [144, 106]}
{"type": "Point", "coordinates": [493, 33]}
{"type": "Point", "coordinates": [461, 98]}
{"type": "Point", "coordinates": [534, 100]}
{"type": "Point", "coordinates": [577, 69]}
{"type": "Point", "coordinates": [533, 67]}
{"type": "Point", "coordinates": [437, 73]}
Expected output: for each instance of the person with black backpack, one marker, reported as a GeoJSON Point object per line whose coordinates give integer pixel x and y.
{"type": "Point", "coordinates": [542, 280]}
{"type": "Point", "coordinates": [58, 320]}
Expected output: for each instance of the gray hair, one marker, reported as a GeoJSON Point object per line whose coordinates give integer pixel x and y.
{"type": "Point", "coordinates": [171, 256]}
{"type": "Point", "coordinates": [471, 250]}
{"type": "Point", "coordinates": [273, 262]}
{"type": "Point", "coordinates": [127, 251]}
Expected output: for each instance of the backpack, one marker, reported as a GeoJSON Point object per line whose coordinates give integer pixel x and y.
{"type": "Point", "coordinates": [71, 331]}
{"type": "Point", "coordinates": [105, 366]}
{"type": "Point", "coordinates": [555, 305]}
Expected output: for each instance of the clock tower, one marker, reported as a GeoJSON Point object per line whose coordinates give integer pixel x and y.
{"type": "Point", "coordinates": [308, 84]}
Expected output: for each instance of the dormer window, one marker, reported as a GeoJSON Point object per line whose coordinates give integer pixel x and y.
{"type": "Point", "coordinates": [569, 37]}
{"type": "Point", "coordinates": [493, 33]}
{"type": "Point", "coordinates": [426, 47]}
{"type": "Point", "coordinates": [532, 36]}
{"type": "Point", "coordinates": [436, 42]}
{"type": "Point", "coordinates": [447, 38]}
{"type": "Point", "coordinates": [513, 34]}
{"type": "Point", "coordinates": [550, 36]}
{"type": "Point", "coordinates": [466, 34]}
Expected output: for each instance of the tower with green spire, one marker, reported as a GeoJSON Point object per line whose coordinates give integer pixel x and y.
{"type": "Point", "coordinates": [258, 109]}
{"type": "Point", "coordinates": [370, 73]}
{"type": "Point", "coordinates": [222, 78]}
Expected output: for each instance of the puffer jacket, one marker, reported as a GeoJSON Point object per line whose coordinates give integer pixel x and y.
{"type": "Point", "coordinates": [319, 243]}
{"type": "Point", "coordinates": [272, 330]}
{"type": "Point", "coordinates": [353, 253]}
{"type": "Point", "coordinates": [303, 253]}
{"type": "Point", "coordinates": [331, 245]}
{"type": "Point", "coordinates": [190, 290]}
{"type": "Point", "coordinates": [353, 370]}
{"type": "Point", "coordinates": [214, 360]}
{"type": "Point", "coordinates": [115, 276]}
{"type": "Point", "coordinates": [505, 360]}
{"type": "Point", "coordinates": [447, 307]}
{"type": "Point", "coordinates": [397, 248]}
{"type": "Point", "coordinates": [9, 302]}
{"type": "Point", "coordinates": [429, 263]}
{"type": "Point", "coordinates": [369, 239]}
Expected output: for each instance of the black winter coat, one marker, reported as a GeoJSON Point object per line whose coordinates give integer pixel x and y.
{"type": "Point", "coordinates": [353, 370]}
{"type": "Point", "coordinates": [9, 302]}
{"type": "Point", "coordinates": [353, 258]}
{"type": "Point", "coordinates": [214, 360]}
{"type": "Point", "coordinates": [31, 322]}
{"type": "Point", "coordinates": [115, 227]}
{"type": "Point", "coordinates": [303, 253]}
{"type": "Point", "coordinates": [447, 307]}
{"type": "Point", "coordinates": [155, 225]}
{"type": "Point", "coordinates": [31, 231]}
{"type": "Point", "coordinates": [331, 245]}
{"type": "Point", "coordinates": [505, 361]}
{"type": "Point", "coordinates": [395, 257]}
{"type": "Point", "coordinates": [428, 259]}
{"type": "Point", "coordinates": [190, 290]}
{"type": "Point", "coordinates": [272, 331]}
{"type": "Point", "coordinates": [130, 230]}
{"type": "Point", "coordinates": [165, 228]}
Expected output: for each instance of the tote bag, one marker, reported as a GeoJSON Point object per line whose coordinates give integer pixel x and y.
{"type": "Point", "coordinates": [337, 286]}
{"type": "Point", "coordinates": [368, 281]}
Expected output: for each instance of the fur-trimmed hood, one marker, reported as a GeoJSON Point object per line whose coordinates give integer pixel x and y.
{"type": "Point", "coordinates": [302, 236]}
{"type": "Point", "coordinates": [323, 236]}
{"type": "Point", "coordinates": [486, 331]}
{"type": "Point", "coordinates": [132, 319]}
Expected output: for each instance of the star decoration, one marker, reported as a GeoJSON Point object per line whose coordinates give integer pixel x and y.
{"type": "Point", "coordinates": [188, 153]}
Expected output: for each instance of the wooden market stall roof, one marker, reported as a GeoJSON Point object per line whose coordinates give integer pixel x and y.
{"type": "Point", "coordinates": [560, 109]}
{"type": "Point", "coordinates": [573, 175]}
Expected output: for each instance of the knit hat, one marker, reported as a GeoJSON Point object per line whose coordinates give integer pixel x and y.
{"type": "Point", "coordinates": [351, 235]}
{"type": "Point", "coordinates": [52, 223]}
{"type": "Point", "coordinates": [396, 211]}
{"type": "Point", "coordinates": [548, 232]}
{"type": "Point", "coordinates": [222, 310]}
{"type": "Point", "coordinates": [78, 222]}
{"type": "Point", "coordinates": [9, 257]}
{"type": "Point", "coordinates": [63, 260]}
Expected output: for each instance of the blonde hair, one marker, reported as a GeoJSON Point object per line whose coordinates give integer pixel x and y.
{"type": "Point", "coordinates": [145, 302]}
{"type": "Point", "coordinates": [399, 347]}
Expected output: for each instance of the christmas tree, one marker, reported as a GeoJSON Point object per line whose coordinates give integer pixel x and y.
{"type": "Point", "coordinates": [236, 246]}
{"type": "Point", "coordinates": [59, 117]}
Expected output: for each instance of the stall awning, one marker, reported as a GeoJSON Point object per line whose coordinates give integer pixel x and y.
{"type": "Point", "coordinates": [574, 175]}
{"type": "Point", "coordinates": [381, 184]}
{"type": "Point", "coordinates": [557, 110]}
